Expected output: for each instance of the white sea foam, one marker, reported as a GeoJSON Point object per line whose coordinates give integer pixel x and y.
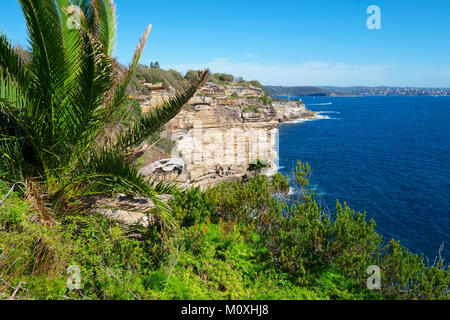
{"type": "Point", "coordinates": [328, 112]}
{"type": "Point", "coordinates": [320, 104]}
{"type": "Point", "coordinates": [318, 116]}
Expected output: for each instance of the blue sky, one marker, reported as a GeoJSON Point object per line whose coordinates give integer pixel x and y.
{"type": "Point", "coordinates": [286, 42]}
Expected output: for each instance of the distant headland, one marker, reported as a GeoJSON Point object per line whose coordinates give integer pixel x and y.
{"type": "Point", "coordinates": [329, 91]}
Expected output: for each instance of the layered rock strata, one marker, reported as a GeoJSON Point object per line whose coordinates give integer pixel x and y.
{"type": "Point", "coordinates": [221, 132]}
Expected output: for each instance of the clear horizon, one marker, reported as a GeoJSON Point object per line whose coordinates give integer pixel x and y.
{"type": "Point", "coordinates": [291, 43]}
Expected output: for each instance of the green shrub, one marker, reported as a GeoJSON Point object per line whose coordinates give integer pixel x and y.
{"type": "Point", "coordinates": [223, 77]}
{"type": "Point", "coordinates": [258, 166]}
{"type": "Point", "coordinates": [232, 241]}
{"type": "Point", "coordinates": [169, 78]}
{"type": "Point", "coordinates": [256, 84]}
{"type": "Point", "coordinates": [266, 99]}
{"type": "Point", "coordinates": [191, 75]}
{"type": "Point", "coordinates": [192, 207]}
{"type": "Point", "coordinates": [234, 96]}
{"type": "Point", "coordinates": [280, 184]}
{"type": "Point", "coordinates": [355, 244]}
{"type": "Point", "coordinates": [406, 276]}
{"type": "Point", "coordinates": [251, 109]}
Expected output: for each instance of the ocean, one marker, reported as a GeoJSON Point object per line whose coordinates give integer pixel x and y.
{"type": "Point", "coordinates": [386, 156]}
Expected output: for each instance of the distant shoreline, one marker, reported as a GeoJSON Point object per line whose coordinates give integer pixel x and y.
{"type": "Point", "coordinates": [304, 91]}
{"type": "Point", "coordinates": [358, 96]}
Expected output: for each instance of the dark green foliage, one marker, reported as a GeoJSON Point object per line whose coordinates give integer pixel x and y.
{"type": "Point", "coordinates": [222, 77]}
{"type": "Point", "coordinates": [191, 75]}
{"type": "Point", "coordinates": [251, 109]}
{"type": "Point", "coordinates": [234, 201]}
{"type": "Point", "coordinates": [154, 65]}
{"type": "Point", "coordinates": [280, 183]}
{"type": "Point", "coordinates": [192, 207]}
{"type": "Point", "coordinates": [407, 276]}
{"type": "Point", "coordinates": [266, 100]}
{"type": "Point", "coordinates": [258, 166]}
{"type": "Point", "coordinates": [169, 78]}
{"type": "Point", "coordinates": [256, 84]}
{"type": "Point", "coordinates": [233, 241]}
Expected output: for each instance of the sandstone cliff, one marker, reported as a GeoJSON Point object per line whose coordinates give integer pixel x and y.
{"type": "Point", "coordinates": [222, 131]}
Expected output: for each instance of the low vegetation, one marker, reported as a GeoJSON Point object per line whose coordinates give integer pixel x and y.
{"type": "Point", "coordinates": [168, 78]}
{"type": "Point", "coordinates": [233, 241]}
{"type": "Point", "coordinates": [251, 109]}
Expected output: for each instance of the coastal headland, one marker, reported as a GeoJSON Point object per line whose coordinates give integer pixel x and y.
{"type": "Point", "coordinates": [224, 129]}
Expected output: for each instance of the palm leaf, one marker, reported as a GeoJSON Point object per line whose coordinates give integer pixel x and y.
{"type": "Point", "coordinates": [106, 13]}
{"type": "Point", "coordinates": [71, 40]}
{"type": "Point", "coordinates": [119, 94]}
{"type": "Point", "coordinates": [12, 91]}
{"type": "Point", "coordinates": [158, 117]}
{"type": "Point", "coordinates": [84, 115]}
{"type": "Point", "coordinates": [118, 97]}
{"type": "Point", "coordinates": [11, 63]}
{"type": "Point", "coordinates": [22, 127]}
{"type": "Point", "coordinates": [48, 60]}
{"type": "Point", "coordinates": [82, 110]}
{"type": "Point", "coordinates": [108, 172]}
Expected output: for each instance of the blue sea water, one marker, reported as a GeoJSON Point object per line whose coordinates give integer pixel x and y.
{"type": "Point", "coordinates": [387, 156]}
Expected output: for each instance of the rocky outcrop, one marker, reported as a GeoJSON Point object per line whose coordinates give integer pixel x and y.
{"type": "Point", "coordinates": [289, 111]}
{"type": "Point", "coordinates": [126, 210]}
{"type": "Point", "coordinates": [216, 143]}
{"type": "Point", "coordinates": [266, 113]}
{"type": "Point", "coordinates": [220, 133]}
{"type": "Point", "coordinates": [211, 89]}
{"type": "Point", "coordinates": [154, 87]}
{"type": "Point", "coordinates": [157, 97]}
{"type": "Point", "coordinates": [246, 91]}
{"type": "Point", "coordinates": [164, 170]}
{"type": "Point", "coordinates": [200, 100]}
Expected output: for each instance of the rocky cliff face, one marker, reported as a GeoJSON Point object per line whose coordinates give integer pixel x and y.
{"type": "Point", "coordinates": [222, 131]}
{"type": "Point", "coordinates": [290, 111]}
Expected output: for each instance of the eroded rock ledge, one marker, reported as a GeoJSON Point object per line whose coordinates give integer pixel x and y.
{"type": "Point", "coordinates": [220, 132]}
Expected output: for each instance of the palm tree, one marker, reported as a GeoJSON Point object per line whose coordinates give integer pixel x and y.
{"type": "Point", "coordinates": [56, 103]}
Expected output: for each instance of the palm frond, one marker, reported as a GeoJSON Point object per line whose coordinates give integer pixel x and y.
{"type": "Point", "coordinates": [54, 108]}
{"type": "Point", "coordinates": [12, 91]}
{"type": "Point", "coordinates": [11, 157]}
{"type": "Point", "coordinates": [84, 114]}
{"type": "Point", "coordinates": [119, 94]}
{"type": "Point", "coordinates": [11, 142]}
{"type": "Point", "coordinates": [72, 40]}
{"type": "Point", "coordinates": [81, 113]}
{"type": "Point", "coordinates": [10, 118]}
{"type": "Point", "coordinates": [11, 63]}
{"type": "Point", "coordinates": [106, 12]}
{"type": "Point", "coordinates": [108, 172]}
{"type": "Point", "coordinates": [36, 197]}
{"type": "Point", "coordinates": [47, 67]}
{"type": "Point", "coordinates": [159, 116]}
